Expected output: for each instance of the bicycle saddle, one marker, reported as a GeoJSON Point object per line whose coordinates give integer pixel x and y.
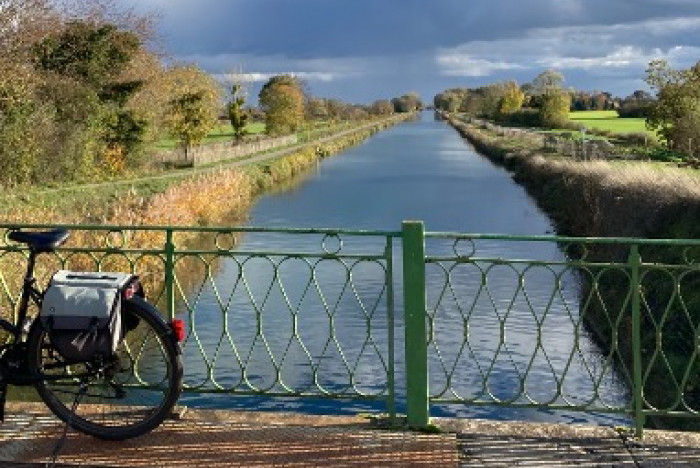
{"type": "Point", "coordinates": [41, 241]}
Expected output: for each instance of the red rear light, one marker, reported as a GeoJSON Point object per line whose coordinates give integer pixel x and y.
{"type": "Point", "coordinates": [178, 327]}
{"type": "Point", "coordinates": [132, 290]}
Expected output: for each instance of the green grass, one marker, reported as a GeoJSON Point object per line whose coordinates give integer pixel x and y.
{"type": "Point", "coordinates": [610, 121]}
{"type": "Point", "coordinates": [222, 132]}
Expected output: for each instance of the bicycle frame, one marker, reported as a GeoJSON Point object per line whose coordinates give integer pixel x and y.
{"type": "Point", "coordinates": [28, 292]}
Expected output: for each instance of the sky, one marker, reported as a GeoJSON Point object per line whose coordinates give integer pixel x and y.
{"type": "Point", "coordinates": [363, 50]}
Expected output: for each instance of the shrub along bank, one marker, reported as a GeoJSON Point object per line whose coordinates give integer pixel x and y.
{"type": "Point", "coordinates": [623, 199]}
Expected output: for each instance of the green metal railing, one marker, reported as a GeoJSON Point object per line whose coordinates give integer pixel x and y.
{"type": "Point", "coordinates": [572, 324]}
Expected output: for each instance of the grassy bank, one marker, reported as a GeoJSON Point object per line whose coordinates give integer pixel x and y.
{"type": "Point", "coordinates": [623, 199]}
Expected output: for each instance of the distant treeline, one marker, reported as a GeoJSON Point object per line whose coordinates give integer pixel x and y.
{"type": "Point", "coordinates": [673, 112]}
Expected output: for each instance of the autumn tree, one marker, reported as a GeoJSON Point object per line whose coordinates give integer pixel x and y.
{"type": "Point", "coordinates": [92, 56]}
{"type": "Point", "coordinates": [282, 100]}
{"type": "Point", "coordinates": [512, 98]}
{"type": "Point", "coordinates": [23, 23]}
{"type": "Point", "coordinates": [237, 115]}
{"type": "Point", "coordinates": [554, 108]}
{"type": "Point", "coordinates": [193, 106]}
{"type": "Point", "coordinates": [675, 115]}
{"type": "Point", "coordinates": [451, 100]}
{"type": "Point", "coordinates": [409, 102]}
{"type": "Point", "coordinates": [21, 119]}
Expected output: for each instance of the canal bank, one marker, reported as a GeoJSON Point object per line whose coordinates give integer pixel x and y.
{"type": "Point", "coordinates": [596, 199]}
{"type": "Point", "coordinates": [622, 199]}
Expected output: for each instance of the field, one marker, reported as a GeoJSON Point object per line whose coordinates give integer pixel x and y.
{"type": "Point", "coordinates": [222, 132]}
{"type": "Point", "coordinates": [610, 121]}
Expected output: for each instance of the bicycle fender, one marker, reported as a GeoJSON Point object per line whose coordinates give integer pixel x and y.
{"type": "Point", "coordinates": [151, 309]}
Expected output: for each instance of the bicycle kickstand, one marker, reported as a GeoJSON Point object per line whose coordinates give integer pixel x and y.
{"type": "Point", "coordinates": [62, 440]}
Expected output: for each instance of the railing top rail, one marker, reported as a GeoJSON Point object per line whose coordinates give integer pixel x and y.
{"type": "Point", "coordinates": [216, 229]}
{"type": "Point", "coordinates": [549, 238]}
{"type": "Point", "coordinates": [357, 232]}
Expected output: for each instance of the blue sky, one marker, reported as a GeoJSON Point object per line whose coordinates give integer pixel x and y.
{"type": "Point", "coordinates": [362, 50]}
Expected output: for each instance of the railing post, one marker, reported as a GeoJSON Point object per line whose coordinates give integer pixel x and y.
{"type": "Point", "coordinates": [416, 338]}
{"type": "Point", "coordinates": [169, 274]}
{"type": "Point", "coordinates": [391, 339]}
{"type": "Point", "coordinates": [635, 261]}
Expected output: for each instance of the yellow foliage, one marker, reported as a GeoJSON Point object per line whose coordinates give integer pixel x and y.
{"type": "Point", "coordinates": [114, 159]}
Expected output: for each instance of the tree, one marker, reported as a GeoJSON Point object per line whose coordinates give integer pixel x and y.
{"type": "Point", "coordinates": [282, 100]}
{"type": "Point", "coordinates": [316, 108]}
{"type": "Point", "coordinates": [549, 79]}
{"type": "Point", "coordinates": [86, 52]}
{"type": "Point", "coordinates": [23, 23]}
{"type": "Point", "coordinates": [554, 110]}
{"type": "Point", "coordinates": [675, 115]}
{"type": "Point", "coordinates": [191, 119]}
{"type": "Point", "coordinates": [94, 56]}
{"type": "Point", "coordinates": [409, 102]}
{"type": "Point", "coordinates": [194, 99]}
{"type": "Point", "coordinates": [451, 100]}
{"type": "Point", "coordinates": [237, 115]}
{"type": "Point", "coordinates": [636, 105]}
{"type": "Point", "coordinates": [19, 112]}
{"type": "Point", "coordinates": [381, 107]}
{"type": "Point", "coordinates": [512, 98]}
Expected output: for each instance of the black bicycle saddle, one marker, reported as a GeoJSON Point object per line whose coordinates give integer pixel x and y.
{"type": "Point", "coordinates": [41, 241]}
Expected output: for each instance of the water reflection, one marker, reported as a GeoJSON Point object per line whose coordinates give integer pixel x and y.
{"type": "Point", "coordinates": [498, 332]}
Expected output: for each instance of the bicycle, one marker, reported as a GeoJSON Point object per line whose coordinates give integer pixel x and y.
{"type": "Point", "coordinates": [118, 397]}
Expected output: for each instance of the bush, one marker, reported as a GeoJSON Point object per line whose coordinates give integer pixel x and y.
{"type": "Point", "coordinates": [526, 117]}
{"type": "Point", "coordinates": [633, 112]}
{"type": "Point", "coordinates": [665, 154]}
{"type": "Point", "coordinates": [554, 112]}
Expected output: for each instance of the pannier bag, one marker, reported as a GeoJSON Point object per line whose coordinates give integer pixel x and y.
{"type": "Point", "coordinates": [81, 311]}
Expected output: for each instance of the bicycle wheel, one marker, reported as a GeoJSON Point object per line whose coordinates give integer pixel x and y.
{"type": "Point", "coordinates": [127, 396]}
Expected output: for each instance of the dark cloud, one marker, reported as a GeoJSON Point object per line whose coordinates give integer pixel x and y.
{"type": "Point", "coordinates": [341, 27]}
{"type": "Point", "coordinates": [355, 48]}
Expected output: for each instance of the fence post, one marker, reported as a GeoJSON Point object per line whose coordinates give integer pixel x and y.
{"type": "Point", "coordinates": [635, 261]}
{"type": "Point", "coordinates": [169, 274]}
{"type": "Point", "coordinates": [416, 338]}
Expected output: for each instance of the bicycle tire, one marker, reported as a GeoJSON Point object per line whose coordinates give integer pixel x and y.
{"type": "Point", "coordinates": [137, 395]}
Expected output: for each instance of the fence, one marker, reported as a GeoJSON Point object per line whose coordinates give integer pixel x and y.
{"type": "Point", "coordinates": [576, 324]}
{"type": "Point", "coordinates": [216, 152]}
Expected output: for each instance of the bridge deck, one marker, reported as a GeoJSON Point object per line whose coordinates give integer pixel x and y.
{"type": "Point", "coordinates": [228, 438]}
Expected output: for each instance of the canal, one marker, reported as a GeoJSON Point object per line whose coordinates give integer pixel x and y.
{"type": "Point", "coordinates": [419, 170]}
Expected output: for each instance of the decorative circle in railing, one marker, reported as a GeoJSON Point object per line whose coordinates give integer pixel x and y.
{"type": "Point", "coordinates": [464, 248]}
{"type": "Point", "coordinates": [115, 239]}
{"type": "Point", "coordinates": [225, 241]}
{"type": "Point", "coordinates": [691, 255]}
{"type": "Point", "coordinates": [332, 243]}
{"type": "Point", "coordinates": [576, 251]}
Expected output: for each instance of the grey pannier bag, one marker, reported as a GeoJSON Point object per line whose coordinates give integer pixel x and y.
{"type": "Point", "coordinates": [81, 311]}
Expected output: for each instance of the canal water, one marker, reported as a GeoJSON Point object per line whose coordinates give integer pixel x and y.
{"type": "Point", "coordinates": [421, 170]}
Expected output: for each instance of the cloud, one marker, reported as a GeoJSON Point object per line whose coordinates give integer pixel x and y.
{"type": "Point", "coordinates": [264, 77]}
{"type": "Point", "coordinates": [362, 49]}
{"type": "Point", "coordinates": [462, 64]}
{"type": "Point", "coordinates": [594, 48]}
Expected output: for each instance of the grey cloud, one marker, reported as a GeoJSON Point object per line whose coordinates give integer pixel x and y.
{"type": "Point", "coordinates": [341, 27]}
{"type": "Point", "coordinates": [365, 49]}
